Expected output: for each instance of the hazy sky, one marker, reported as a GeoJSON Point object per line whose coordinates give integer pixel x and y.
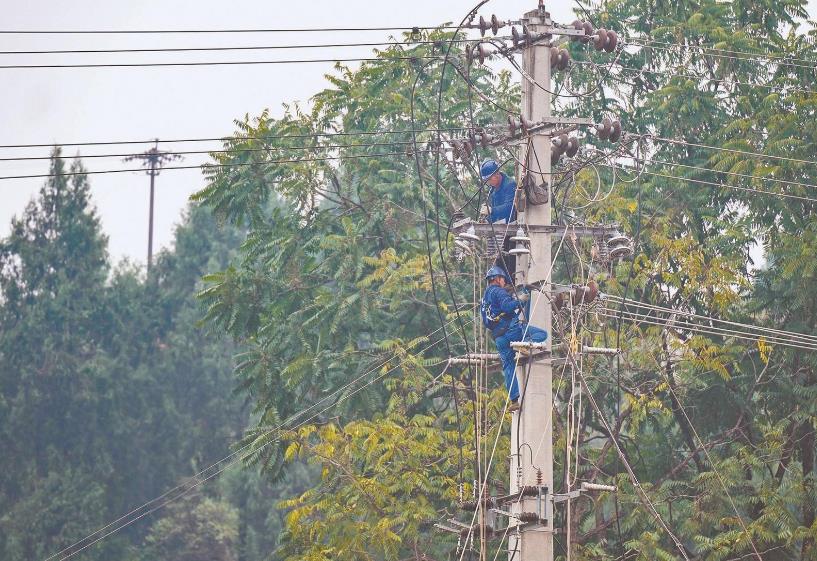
{"type": "Point", "coordinates": [105, 104]}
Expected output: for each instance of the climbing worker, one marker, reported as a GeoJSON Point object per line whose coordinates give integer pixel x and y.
{"type": "Point", "coordinates": [502, 203]}
{"type": "Point", "coordinates": [500, 315]}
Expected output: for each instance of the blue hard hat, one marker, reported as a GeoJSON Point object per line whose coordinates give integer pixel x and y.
{"type": "Point", "coordinates": [496, 271]}
{"type": "Point", "coordinates": [488, 168]}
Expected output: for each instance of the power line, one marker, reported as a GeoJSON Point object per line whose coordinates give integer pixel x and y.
{"type": "Point", "coordinates": [712, 183]}
{"type": "Point", "coordinates": [794, 334]}
{"type": "Point", "coordinates": [184, 489]}
{"type": "Point", "coordinates": [412, 29]}
{"type": "Point", "coordinates": [209, 166]}
{"type": "Point", "coordinates": [782, 89]}
{"type": "Point", "coordinates": [772, 57]}
{"type": "Point", "coordinates": [730, 150]}
{"type": "Point", "coordinates": [234, 138]}
{"type": "Point", "coordinates": [217, 49]}
{"type": "Point", "coordinates": [230, 151]}
{"type": "Point", "coordinates": [731, 173]}
{"type": "Point", "coordinates": [211, 63]}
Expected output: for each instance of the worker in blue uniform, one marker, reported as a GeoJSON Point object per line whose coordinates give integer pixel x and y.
{"type": "Point", "coordinates": [502, 205]}
{"type": "Point", "coordinates": [500, 315]}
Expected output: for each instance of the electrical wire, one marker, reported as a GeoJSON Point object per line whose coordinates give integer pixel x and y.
{"type": "Point", "coordinates": [793, 334]}
{"type": "Point", "coordinates": [267, 149]}
{"type": "Point", "coordinates": [219, 49]}
{"type": "Point", "coordinates": [209, 166]}
{"type": "Point", "coordinates": [771, 57]}
{"type": "Point", "coordinates": [315, 134]}
{"type": "Point", "coordinates": [214, 63]}
{"type": "Point", "coordinates": [719, 185]}
{"type": "Point", "coordinates": [637, 317]}
{"type": "Point", "coordinates": [230, 458]}
{"type": "Point", "coordinates": [782, 89]}
{"type": "Point", "coordinates": [413, 29]}
{"type": "Point", "coordinates": [731, 150]}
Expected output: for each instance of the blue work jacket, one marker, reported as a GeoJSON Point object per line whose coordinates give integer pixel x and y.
{"type": "Point", "coordinates": [499, 310]}
{"type": "Point", "coordinates": [502, 200]}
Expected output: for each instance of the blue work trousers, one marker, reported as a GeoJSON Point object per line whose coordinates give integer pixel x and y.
{"type": "Point", "coordinates": [508, 356]}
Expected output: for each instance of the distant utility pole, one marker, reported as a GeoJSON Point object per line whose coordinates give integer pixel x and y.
{"type": "Point", "coordinates": [153, 159]}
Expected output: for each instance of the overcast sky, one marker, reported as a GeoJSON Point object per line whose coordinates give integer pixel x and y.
{"type": "Point", "coordinates": [106, 104]}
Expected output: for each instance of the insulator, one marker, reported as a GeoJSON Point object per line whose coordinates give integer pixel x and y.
{"type": "Point", "coordinates": [600, 39]}
{"type": "Point", "coordinates": [496, 24]}
{"type": "Point", "coordinates": [527, 35]}
{"type": "Point", "coordinates": [564, 59]}
{"type": "Point", "coordinates": [578, 25]}
{"type": "Point", "coordinates": [461, 249]}
{"type": "Point", "coordinates": [472, 140]}
{"type": "Point", "coordinates": [586, 294]}
{"type": "Point", "coordinates": [562, 141]}
{"type": "Point", "coordinates": [513, 125]}
{"type": "Point", "coordinates": [615, 131]}
{"type": "Point", "coordinates": [469, 54]}
{"type": "Point", "coordinates": [456, 148]}
{"type": "Point", "coordinates": [600, 252]}
{"type": "Point", "coordinates": [525, 124]}
{"type": "Point", "coordinates": [516, 251]}
{"type": "Point", "coordinates": [482, 52]}
{"type": "Point", "coordinates": [555, 155]}
{"type": "Point", "coordinates": [515, 37]}
{"type": "Point", "coordinates": [559, 301]}
{"type": "Point", "coordinates": [528, 517]}
{"type": "Point", "coordinates": [538, 476]}
{"type": "Point", "coordinates": [572, 146]}
{"type": "Point", "coordinates": [612, 41]}
{"type": "Point", "coordinates": [470, 234]}
{"type": "Point", "coordinates": [466, 150]}
{"type": "Point", "coordinates": [559, 58]}
{"type": "Point", "coordinates": [620, 251]}
{"type": "Point", "coordinates": [520, 236]}
{"type": "Point", "coordinates": [483, 26]}
{"type": "Point", "coordinates": [485, 139]}
{"type": "Point", "coordinates": [588, 32]}
{"type": "Point", "coordinates": [605, 128]}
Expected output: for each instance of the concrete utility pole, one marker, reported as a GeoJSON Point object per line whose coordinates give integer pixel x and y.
{"type": "Point", "coordinates": [531, 428]}
{"type": "Point", "coordinates": [154, 159]}
{"type": "Point", "coordinates": [542, 140]}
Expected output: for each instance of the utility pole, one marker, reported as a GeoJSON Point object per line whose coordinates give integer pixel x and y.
{"type": "Point", "coordinates": [153, 159]}
{"type": "Point", "coordinates": [531, 427]}
{"type": "Point", "coordinates": [542, 139]}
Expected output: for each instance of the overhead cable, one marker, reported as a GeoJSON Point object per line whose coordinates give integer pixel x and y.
{"type": "Point", "coordinates": [209, 166]}
{"type": "Point", "coordinates": [213, 63]}
{"type": "Point", "coordinates": [176, 31]}
{"type": "Point", "coordinates": [232, 138]}
{"type": "Point", "coordinates": [217, 49]}
{"type": "Point", "coordinates": [232, 457]}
